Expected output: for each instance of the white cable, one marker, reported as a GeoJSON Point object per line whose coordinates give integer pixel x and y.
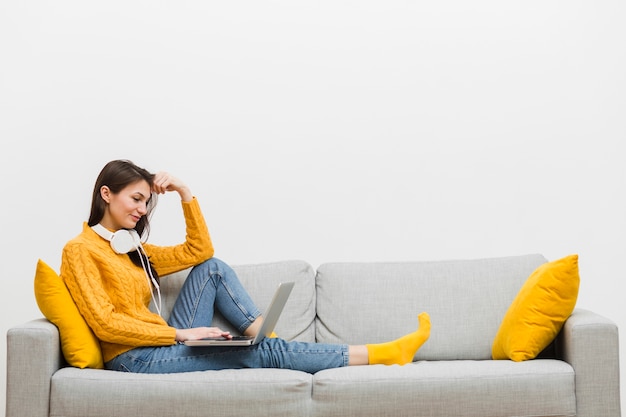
{"type": "Point", "coordinates": [150, 277]}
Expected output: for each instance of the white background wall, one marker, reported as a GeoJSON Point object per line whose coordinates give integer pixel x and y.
{"type": "Point", "coordinates": [324, 131]}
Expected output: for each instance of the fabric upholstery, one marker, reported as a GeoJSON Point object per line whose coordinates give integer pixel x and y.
{"type": "Point", "coordinates": [466, 300]}
{"type": "Point", "coordinates": [241, 392]}
{"type": "Point", "coordinates": [33, 356]}
{"type": "Point", "coordinates": [590, 343]}
{"type": "Point", "coordinates": [448, 388]}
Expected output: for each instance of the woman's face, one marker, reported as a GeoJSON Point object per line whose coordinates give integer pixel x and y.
{"type": "Point", "coordinates": [125, 208]}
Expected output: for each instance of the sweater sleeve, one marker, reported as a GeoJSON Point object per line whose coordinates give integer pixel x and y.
{"type": "Point", "coordinates": [197, 247]}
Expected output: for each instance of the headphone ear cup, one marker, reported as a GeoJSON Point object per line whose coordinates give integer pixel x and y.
{"type": "Point", "coordinates": [124, 241]}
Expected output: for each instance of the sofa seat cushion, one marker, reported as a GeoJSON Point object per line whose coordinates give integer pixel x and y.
{"type": "Point", "coordinates": [95, 393]}
{"type": "Point", "coordinates": [448, 388]}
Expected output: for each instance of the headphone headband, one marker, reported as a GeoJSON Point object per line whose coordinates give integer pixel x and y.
{"type": "Point", "coordinates": [122, 241]}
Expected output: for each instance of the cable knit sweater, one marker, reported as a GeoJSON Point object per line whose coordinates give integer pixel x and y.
{"type": "Point", "coordinates": [113, 294]}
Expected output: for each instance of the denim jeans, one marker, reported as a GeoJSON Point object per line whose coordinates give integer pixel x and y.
{"type": "Point", "coordinates": [214, 285]}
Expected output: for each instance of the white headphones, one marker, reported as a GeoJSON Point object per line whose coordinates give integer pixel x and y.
{"type": "Point", "coordinates": [122, 241]}
{"type": "Point", "coordinates": [128, 240]}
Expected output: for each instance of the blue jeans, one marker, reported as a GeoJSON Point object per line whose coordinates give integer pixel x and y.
{"type": "Point", "coordinates": [213, 284]}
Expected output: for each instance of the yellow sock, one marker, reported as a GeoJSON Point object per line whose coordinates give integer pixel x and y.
{"type": "Point", "coordinates": [402, 350]}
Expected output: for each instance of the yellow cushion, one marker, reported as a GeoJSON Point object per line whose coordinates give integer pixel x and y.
{"type": "Point", "coordinates": [539, 310]}
{"type": "Point", "coordinates": [78, 343]}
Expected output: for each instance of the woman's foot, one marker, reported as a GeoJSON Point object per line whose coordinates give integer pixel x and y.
{"type": "Point", "coordinates": [400, 351]}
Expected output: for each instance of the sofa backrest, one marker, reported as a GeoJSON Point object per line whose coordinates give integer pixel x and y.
{"type": "Point", "coordinates": [298, 318]}
{"type": "Point", "coordinates": [362, 302]}
{"type": "Point", "coordinates": [375, 302]}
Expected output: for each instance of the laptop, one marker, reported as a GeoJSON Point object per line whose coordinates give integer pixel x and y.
{"type": "Point", "coordinates": [270, 318]}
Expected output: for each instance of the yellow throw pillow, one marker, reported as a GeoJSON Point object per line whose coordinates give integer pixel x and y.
{"type": "Point", "coordinates": [78, 343]}
{"type": "Point", "coordinates": [539, 310]}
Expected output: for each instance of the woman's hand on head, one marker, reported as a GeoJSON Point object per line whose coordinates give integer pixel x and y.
{"type": "Point", "coordinates": [196, 333]}
{"type": "Point", "coordinates": [164, 182]}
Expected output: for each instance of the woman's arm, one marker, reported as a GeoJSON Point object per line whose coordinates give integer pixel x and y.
{"type": "Point", "coordinates": [197, 247]}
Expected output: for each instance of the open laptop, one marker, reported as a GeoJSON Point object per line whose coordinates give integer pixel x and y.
{"type": "Point", "coordinates": [270, 318]}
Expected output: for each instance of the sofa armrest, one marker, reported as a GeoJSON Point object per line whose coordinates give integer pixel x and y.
{"type": "Point", "coordinates": [590, 343]}
{"type": "Point", "coordinates": [33, 356]}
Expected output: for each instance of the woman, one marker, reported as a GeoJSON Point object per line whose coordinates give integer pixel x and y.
{"type": "Point", "coordinates": [112, 282]}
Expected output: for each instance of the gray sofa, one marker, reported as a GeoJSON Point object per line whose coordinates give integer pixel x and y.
{"type": "Point", "coordinates": [453, 374]}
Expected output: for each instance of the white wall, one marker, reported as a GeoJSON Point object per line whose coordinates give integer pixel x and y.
{"type": "Point", "coordinates": [324, 131]}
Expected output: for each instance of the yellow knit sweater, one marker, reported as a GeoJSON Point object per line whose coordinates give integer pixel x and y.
{"type": "Point", "coordinates": [113, 294]}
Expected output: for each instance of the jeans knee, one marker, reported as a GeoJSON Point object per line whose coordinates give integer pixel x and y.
{"type": "Point", "coordinates": [217, 266]}
{"type": "Point", "coordinates": [212, 265]}
{"type": "Point", "coordinates": [213, 269]}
